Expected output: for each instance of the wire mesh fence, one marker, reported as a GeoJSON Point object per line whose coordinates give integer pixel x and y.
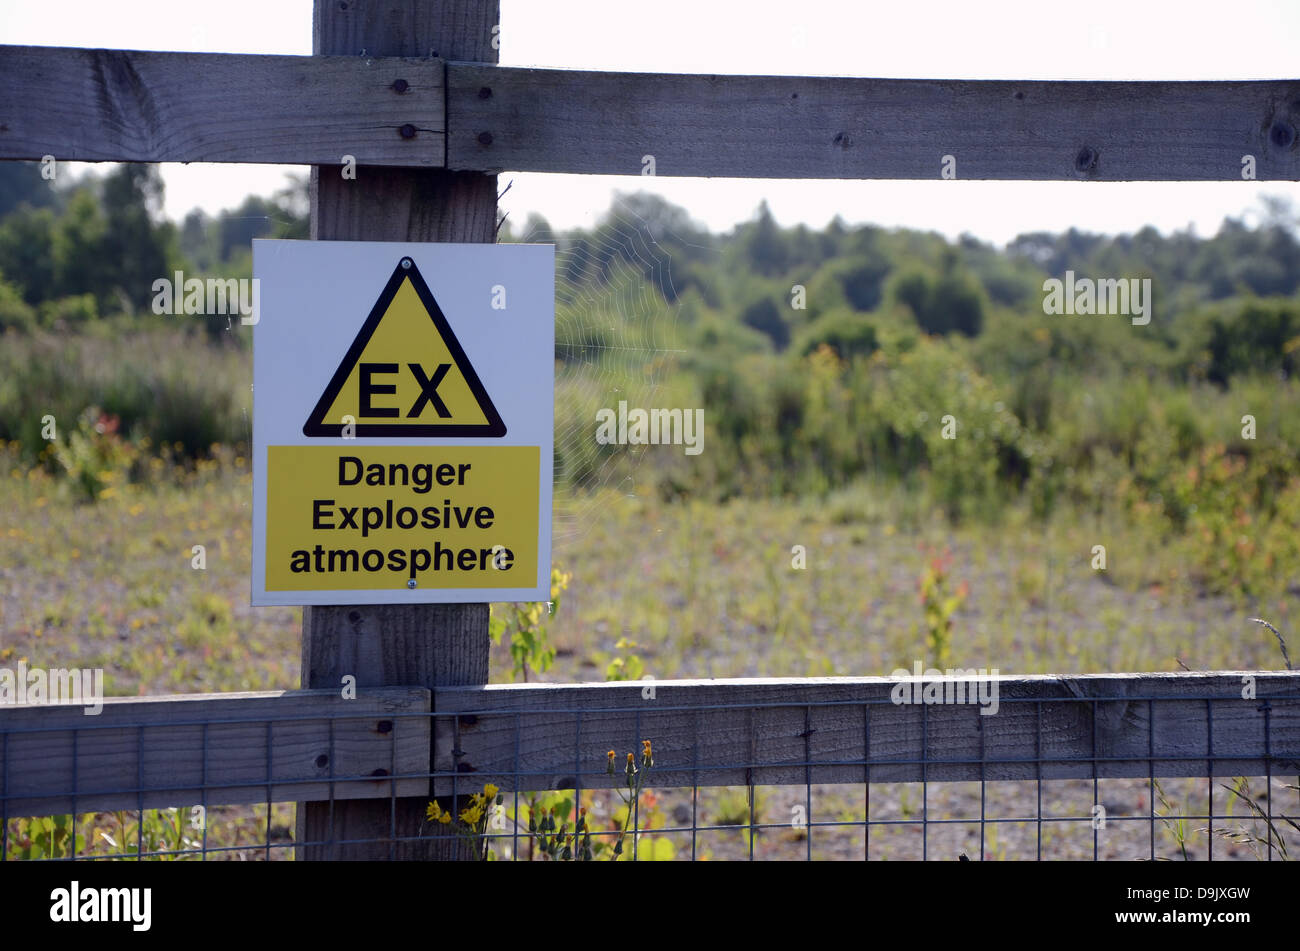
{"type": "Point", "coordinates": [1189, 766]}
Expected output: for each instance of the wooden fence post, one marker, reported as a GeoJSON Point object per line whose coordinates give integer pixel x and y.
{"type": "Point", "coordinates": [396, 645]}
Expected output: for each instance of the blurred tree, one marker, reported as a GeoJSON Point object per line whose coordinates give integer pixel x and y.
{"type": "Point", "coordinates": [659, 219]}
{"type": "Point", "coordinates": [80, 245]}
{"type": "Point", "coordinates": [292, 216]}
{"type": "Point", "coordinates": [15, 312]}
{"type": "Point", "coordinates": [764, 316]}
{"type": "Point", "coordinates": [955, 304]}
{"type": "Point", "coordinates": [254, 218]}
{"type": "Point", "coordinates": [537, 230]}
{"type": "Point", "coordinates": [197, 240]}
{"type": "Point", "coordinates": [136, 249]}
{"type": "Point", "coordinates": [849, 335]}
{"type": "Point", "coordinates": [1263, 336]}
{"type": "Point", "coordinates": [27, 252]}
{"type": "Point", "coordinates": [21, 184]}
{"type": "Point", "coordinates": [864, 280]}
{"type": "Point", "coordinates": [952, 302]}
{"type": "Point", "coordinates": [911, 288]}
{"type": "Point", "coordinates": [766, 248]}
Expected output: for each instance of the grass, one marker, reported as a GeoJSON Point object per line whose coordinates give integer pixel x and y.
{"type": "Point", "coordinates": [703, 590]}
{"type": "Point", "coordinates": [717, 595]}
{"type": "Point", "coordinates": [111, 584]}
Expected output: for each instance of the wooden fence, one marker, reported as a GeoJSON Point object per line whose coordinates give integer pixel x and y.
{"type": "Point", "coordinates": [412, 91]}
{"type": "Point", "coordinates": [311, 745]}
{"type": "Point", "coordinates": [120, 105]}
{"type": "Point", "coordinates": [396, 744]}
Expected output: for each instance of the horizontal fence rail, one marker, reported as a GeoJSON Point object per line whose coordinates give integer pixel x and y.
{"type": "Point", "coordinates": [97, 105]}
{"type": "Point", "coordinates": [122, 105]}
{"type": "Point", "coordinates": [312, 745]}
{"type": "Point", "coordinates": [214, 749]}
{"type": "Point", "coordinates": [849, 730]}
{"type": "Point", "coordinates": [541, 120]}
{"type": "Point", "coordinates": [393, 743]}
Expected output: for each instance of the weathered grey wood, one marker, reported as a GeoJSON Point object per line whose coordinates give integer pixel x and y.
{"type": "Point", "coordinates": [129, 105]}
{"type": "Point", "coordinates": [121, 105]}
{"type": "Point", "coordinates": [255, 747]}
{"type": "Point", "coordinates": [546, 120]}
{"type": "Point", "coordinates": [773, 732]}
{"type": "Point", "coordinates": [426, 645]}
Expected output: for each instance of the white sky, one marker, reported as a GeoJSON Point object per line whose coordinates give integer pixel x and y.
{"type": "Point", "coordinates": [1026, 39]}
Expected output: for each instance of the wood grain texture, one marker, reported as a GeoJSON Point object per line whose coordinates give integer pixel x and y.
{"type": "Point", "coordinates": [214, 749]}
{"type": "Point", "coordinates": [426, 645]}
{"type": "Point", "coordinates": [545, 120]}
{"type": "Point", "coordinates": [129, 105]}
{"type": "Point", "coordinates": [123, 105]}
{"type": "Point", "coordinates": [847, 730]}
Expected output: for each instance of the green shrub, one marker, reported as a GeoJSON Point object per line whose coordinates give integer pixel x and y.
{"type": "Point", "coordinates": [765, 316]}
{"type": "Point", "coordinates": [67, 313]}
{"type": "Point", "coordinates": [166, 385]}
{"type": "Point", "coordinates": [15, 313]}
{"type": "Point", "coordinates": [1261, 336]}
{"type": "Point", "coordinates": [93, 457]}
{"type": "Point", "coordinates": [849, 335]}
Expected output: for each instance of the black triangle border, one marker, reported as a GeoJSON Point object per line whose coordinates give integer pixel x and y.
{"type": "Point", "coordinates": [316, 426]}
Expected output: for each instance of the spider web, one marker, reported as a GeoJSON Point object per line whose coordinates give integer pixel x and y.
{"type": "Point", "coordinates": [616, 323]}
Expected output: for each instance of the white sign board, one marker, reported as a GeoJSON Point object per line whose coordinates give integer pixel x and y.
{"type": "Point", "coordinates": [403, 418]}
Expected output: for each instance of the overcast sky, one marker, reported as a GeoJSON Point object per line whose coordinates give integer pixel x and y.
{"type": "Point", "coordinates": [1034, 39]}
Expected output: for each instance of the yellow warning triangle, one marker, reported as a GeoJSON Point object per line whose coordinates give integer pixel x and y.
{"type": "Point", "coordinates": [405, 373]}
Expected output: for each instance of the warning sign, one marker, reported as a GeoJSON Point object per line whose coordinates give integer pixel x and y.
{"type": "Point", "coordinates": [402, 422]}
{"type": "Point", "coordinates": [386, 517]}
{"type": "Point", "coordinates": [380, 391]}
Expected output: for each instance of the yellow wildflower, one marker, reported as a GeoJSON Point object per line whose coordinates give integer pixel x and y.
{"type": "Point", "coordinates": [471, 815]}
